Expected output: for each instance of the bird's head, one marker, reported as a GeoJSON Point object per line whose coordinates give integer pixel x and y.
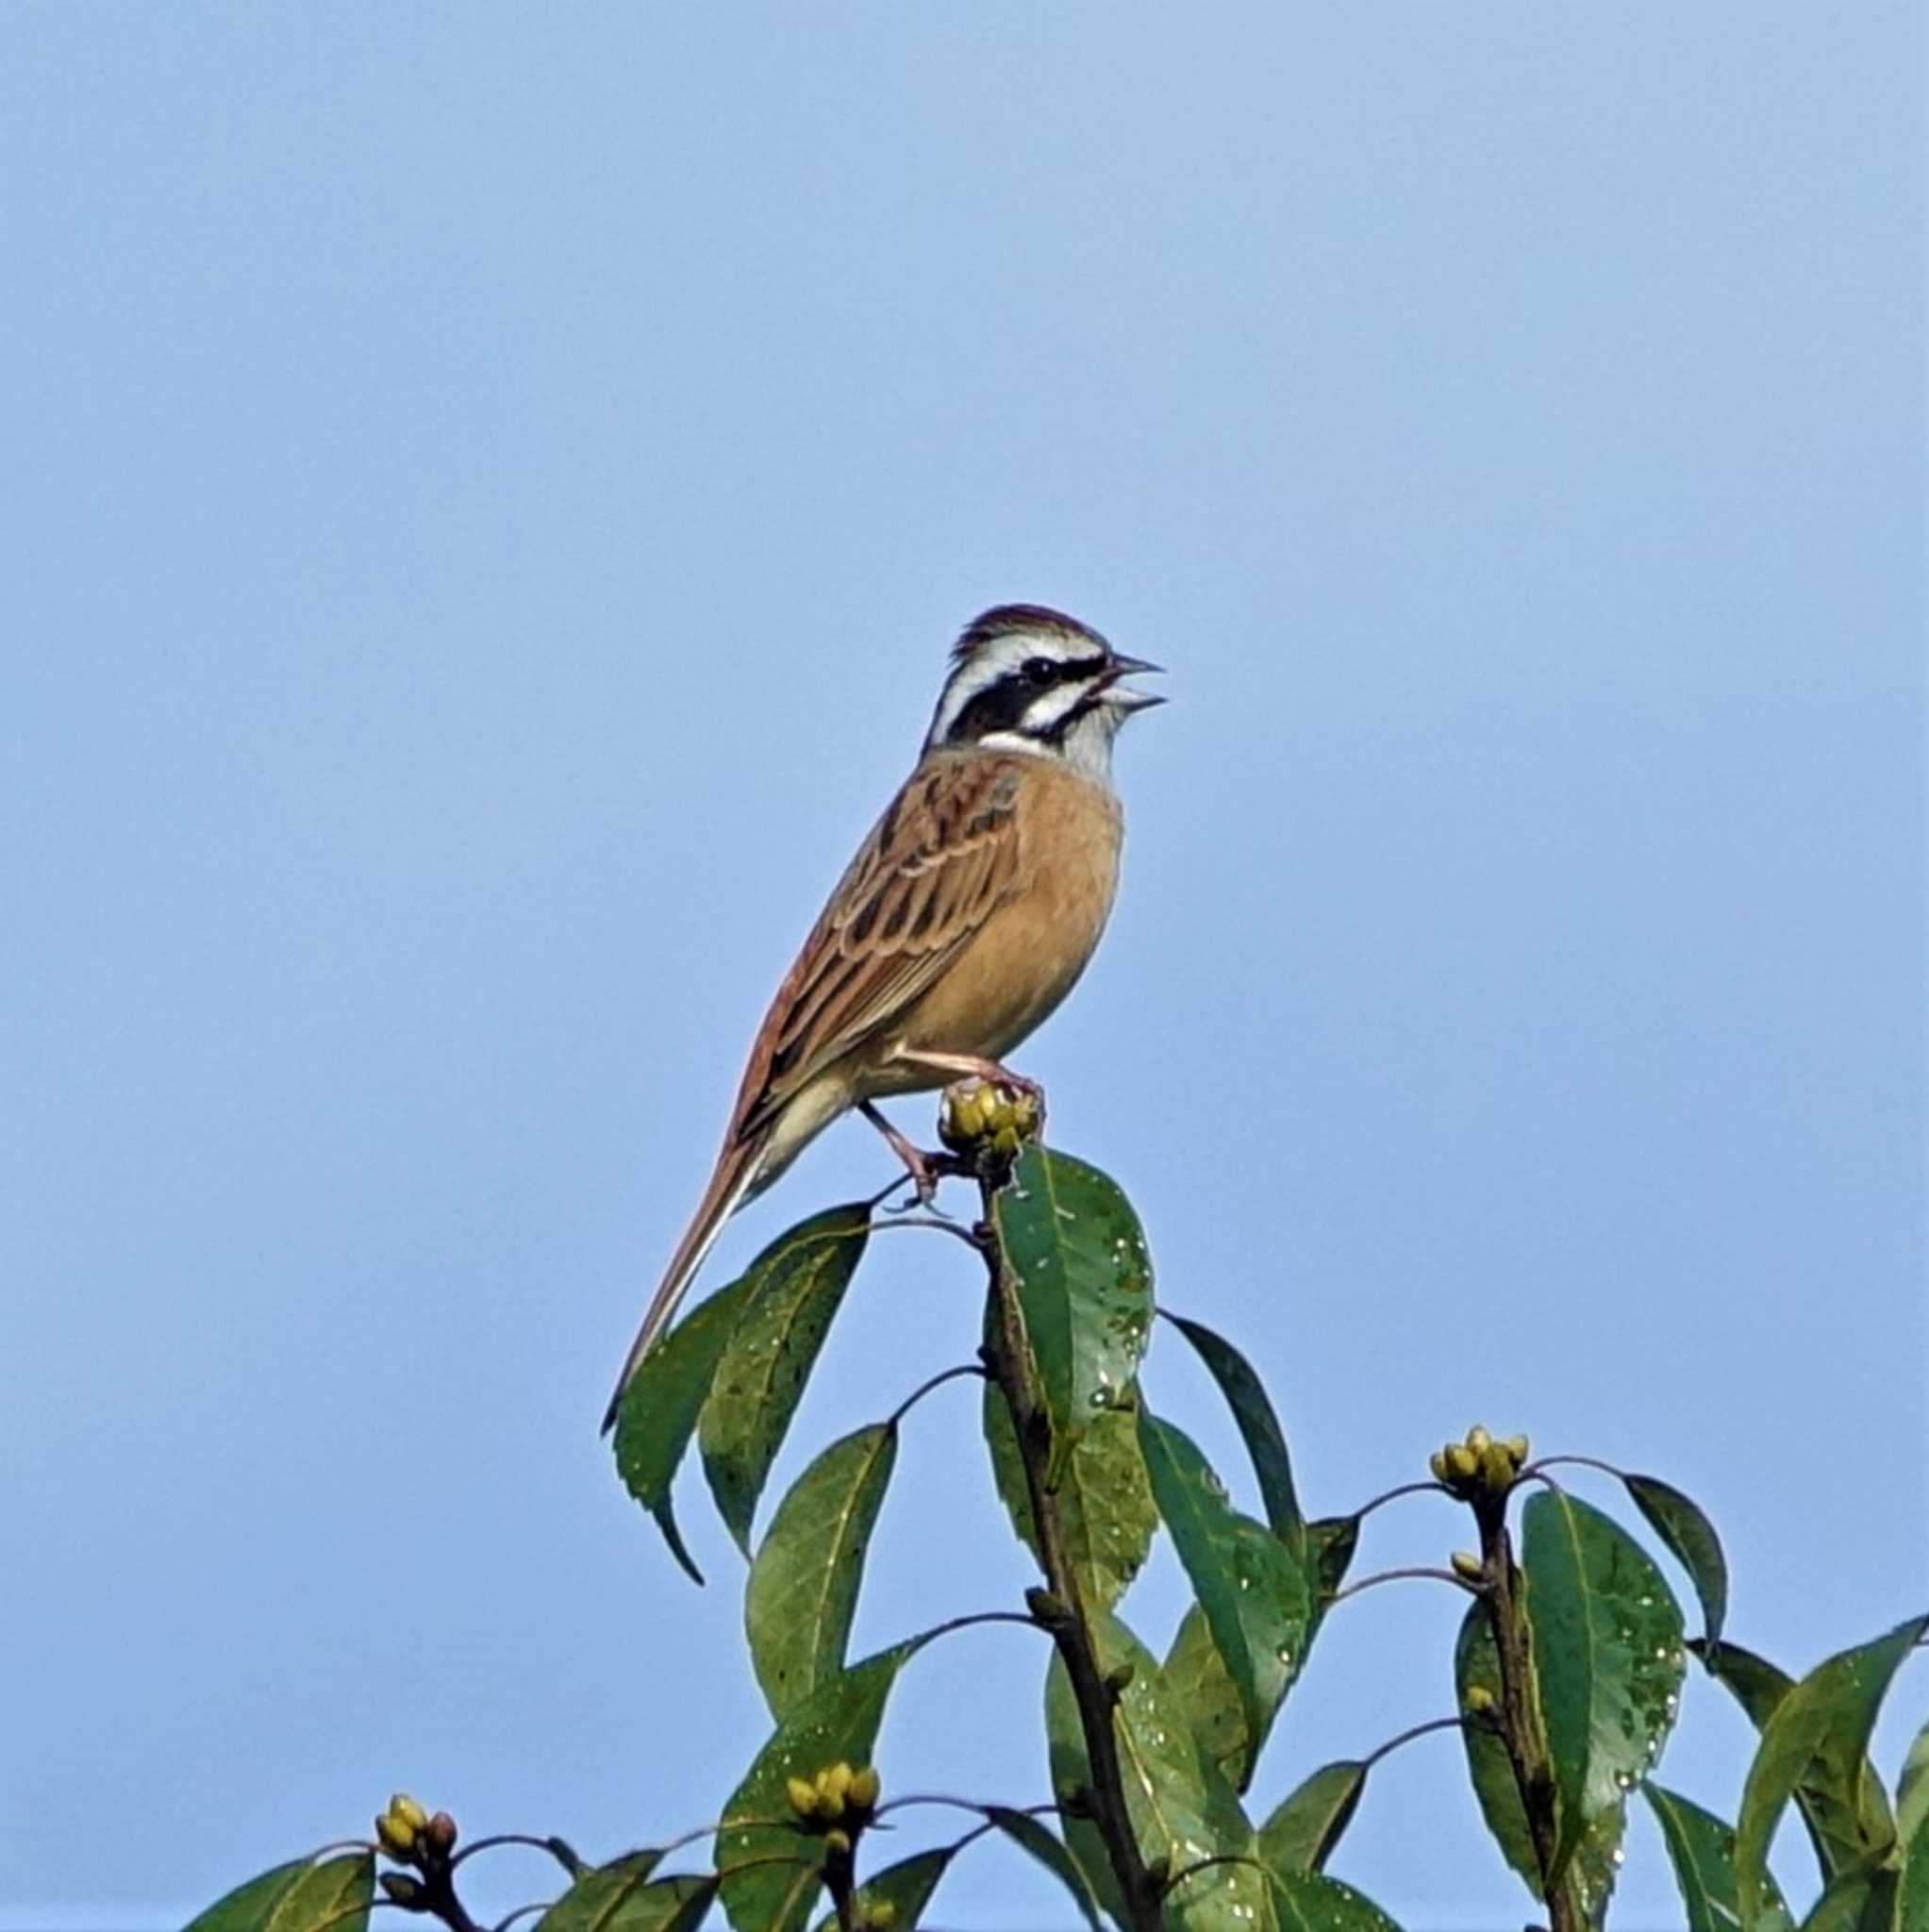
{"type": "Point", "coordinates": [1028, 679]}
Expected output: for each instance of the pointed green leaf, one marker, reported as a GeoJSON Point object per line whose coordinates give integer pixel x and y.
{"type": "Point", "coordinates": [1105, 1497]}
{"type": "Point", "coordinates": [1912, 1789]}
{"type": "Point", "coordinates": [1306, 1902]}
{"type": "Point", "coordinates": [1330, 1544]}
{"type": "Point", "coordinates": [1199, 1679]}
{"type": "Point", "coordinates": [900, 1890]}
{"type": "Point", "coordinates": [790, 1293]}
{"type": "Point", "coordinates": [1025, 1831]}
{"type": "Point", "coordinates": [1307, 1822]}
{"type": "Point", "coordinates": [1076, 1255]}
{"type": "Point", "coordinates": [1589, 1881]}
{"type": "Point", "coordinates": [1250, 1586]}
{"type": "Point", "coordinates": [600, 1894]}
{"type": "Point", "coordinates": [1859, 1902]}
{"type": "Point", "coordinates": [803, 1588]}
{"type": "Point", "coordinates": [621, 1896]}
{"type": "Point", "coordinates": [304, 1895]}
{"type": "Point", "coordinates": [1258, 1425]}
{"type": "Point", "coordinates": [1702, 1850]}
{"type": "Point", "coordinates": [1847, 1821]}
{"type": "Point", "coordinates": [1912, 1877]}
{"type": "Point", "coordinates": [659, 1412]}
{"type": "Point", "coordinates": [1818, 1734]}
{"type": "Point", "coordinates": [1476, 1667]}
{"type": "Point", "coordinates": [1691, 1538]}
{"type": "Point", "coordinates": [838, 1720]}
{"type": "Point", "coordinates": [1606, 1639]}
{"type": "Point", "coordinates": [1182, 1809]}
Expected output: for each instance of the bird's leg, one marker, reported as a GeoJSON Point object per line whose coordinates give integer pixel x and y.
{"type": "Point", "coordinates": [924, 1169]}
{"type": "Point", "coordinates": [972, 1065]}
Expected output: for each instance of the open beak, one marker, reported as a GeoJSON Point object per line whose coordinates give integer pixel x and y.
{"type": "Point", "coordinates": [1121, 697]}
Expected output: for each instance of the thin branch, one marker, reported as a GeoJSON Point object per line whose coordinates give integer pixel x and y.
{"type": "Point", "coordinates": [554, 1846]}
{"type": "Point", "coordinates": [917, 1395]}
{"type": "Point", "coordinates": [933, 1221]}
{"type": "Point", "coordinates": [1586, 1462]}
{"type": "Point", "coordinates": [1366, 1509]}
{"type": "Point", "coordinates": [1198, 1865]}
{"type": "Point", "coordinates": [1415, 1569]}
{"type": "Point", "coordinates": [1392, 1744]}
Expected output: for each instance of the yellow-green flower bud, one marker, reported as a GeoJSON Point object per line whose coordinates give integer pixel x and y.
{"type": "Point", "coordinates": [1437, 1463]}
{"type": "Point", "coordinates": [1477, 1440]}
{"type": "Point", "coordinates": [802, 1796]}
{"type": "Point", "coordinates": [1478, 1699]}
{"type": "Point", "coordinates": [1518, 1449]}
{"type": "Point", "coordinates": [1466, 1566]}
{"type": "Point", "coordinates": [396, 1837]}
{"type": "Point", "coordinates": [1462, 1464]}
{"type": "Point", "coordinates": [838, 1842]}
{"type": "Point", "coordinates": [865, 1787]}
{"type": "Point", "coordinates": [1496, 1466]}
{"type": "Point", "coordinates": [407, 1811]}
{"type": "Point", "coordinates": [879, 1916]}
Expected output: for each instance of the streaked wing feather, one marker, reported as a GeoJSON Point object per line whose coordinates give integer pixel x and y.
{"type": "Point", "coordinates": [934, 868]}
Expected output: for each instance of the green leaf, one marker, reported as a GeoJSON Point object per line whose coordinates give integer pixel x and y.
{"type": "Point", "coordinates": [1198, 1677]}
{"type": "Point", "coordinates": [1306, 1902]}
{"type": "Point", "coordinates": [659, 1412]}
{"type": "Point", "coordinates": [1250, 1586]}
{"type": "Point", "coordinates": [1073, 1249]}
{"type": "Point", "coordinates": [1606, 1639]}
{"type": "Point", "coordinates": [1912, 1877]}
{"type": "Point", "coordinates": [1251, 1409]}
{"type": "Point", "coordinates": [1181, 1807]}
{"type": "Point", "coordinates": [1105, 1497]}
{"type": "Point", "coordinates": [1691, 1538]}
{"type": "Point", "coordinates": [304, 1895]}
{"type": "Point", "coordinates": [1307, 1822]}
{"type": "Point", "coordinates": [1859, 1902]}
{"type": "Point", "coordinates": [803, 1588]}
{"type": "Point", "coordinates": [1589, 1881]}
{"type": "Point", "coordinates": [600, 1894]}
{"type": "Point", "coordinates": [1847, 1821]}
{"type": "Point", "coordinates": [790, 1293]}
{"type": "Point", "coordinates": [1330, 1544]}
{"type": "Point", "coordinates": [1476, 1665]}
{"type": "Point", "coordinates": [838, 1720]}
{"type": "Point", "coordinates": [1025, 1831]}
{"type": "Point", "coordinates": [1912, 1789]}
{"type": "Point", "coordinates": [903, 1890]}
{"type": "Point", "coordinates": [1818, 1734]}
{"type": "Point", "coordinates": [1702, 1850]}
{"type": "Point", "coordinates": [621, 1896]}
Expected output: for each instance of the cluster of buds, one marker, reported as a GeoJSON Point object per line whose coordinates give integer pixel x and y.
{"type": "Point", "coordinates": [1480, 1465]}
{"type": "Point", "coordinates": [410, 1836]}
{"type": "Point", "coordinates": [979, 1118]}
{"type": "Point", "coordinates": [837, 1804]}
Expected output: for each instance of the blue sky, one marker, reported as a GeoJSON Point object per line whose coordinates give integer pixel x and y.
{"type": "Point", "coordinates": [489, 490]}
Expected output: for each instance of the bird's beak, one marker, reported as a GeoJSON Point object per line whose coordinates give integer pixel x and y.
{"type": "Point", "coordinates": [1121, 697]}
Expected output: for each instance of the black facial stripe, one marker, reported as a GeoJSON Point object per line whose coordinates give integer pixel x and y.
{"type": "Point", "coordinates": [1060, 728]}
{"type": "Point", "coordinates": [1002, 707]}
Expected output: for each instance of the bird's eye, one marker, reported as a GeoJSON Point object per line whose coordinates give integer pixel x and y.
{"type": "Point", "coordinates": [1040, 669]}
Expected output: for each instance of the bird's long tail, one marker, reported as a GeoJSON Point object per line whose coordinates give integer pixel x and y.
{"type": "Point", "coordinates": [735, 1177]}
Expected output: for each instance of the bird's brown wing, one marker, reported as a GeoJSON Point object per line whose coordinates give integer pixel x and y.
{"type": "Point", "coordinates": [940, 860]}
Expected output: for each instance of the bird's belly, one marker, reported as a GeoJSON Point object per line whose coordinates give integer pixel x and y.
{"type": "Point", "coordinates": [1011, 977]}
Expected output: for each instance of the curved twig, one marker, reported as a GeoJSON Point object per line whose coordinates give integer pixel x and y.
{"type": "Point", "coordinates": [1415, 1569]}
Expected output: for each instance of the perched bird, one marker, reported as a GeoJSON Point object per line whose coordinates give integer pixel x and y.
{"type": "Point", "coordinates": [965, 918]}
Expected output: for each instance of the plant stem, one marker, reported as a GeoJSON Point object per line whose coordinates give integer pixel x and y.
{"type": "Point", "coordinates": [1009, 1360]}
{"type": "Point", "coordinates": [1519, 1726]}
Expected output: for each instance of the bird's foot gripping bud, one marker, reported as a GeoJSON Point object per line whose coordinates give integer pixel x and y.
{"type": "Point", "coordinates": [1479, 1465]}
{"type": "Point", "coordinates": [989, 1121]}
{"type": "Point", "coordinates": [838, 1802]}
